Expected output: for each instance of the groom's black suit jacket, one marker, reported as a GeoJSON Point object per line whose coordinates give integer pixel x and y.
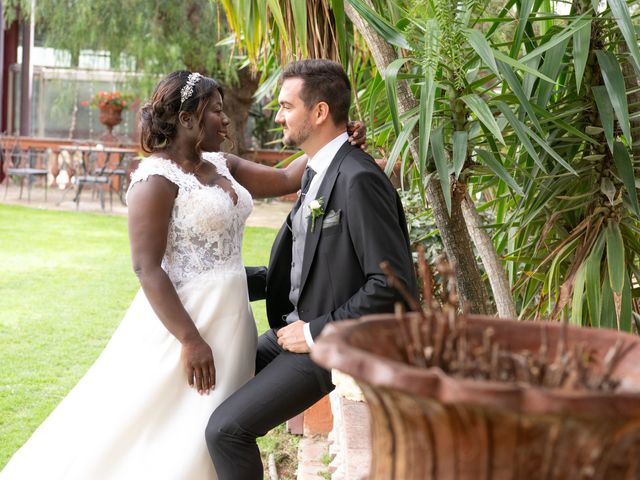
{"type": "Point", "coordinates": [341, 276]}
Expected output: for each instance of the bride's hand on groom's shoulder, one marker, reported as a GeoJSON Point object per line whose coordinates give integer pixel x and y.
{"type": "Point", "coordinates": [197, 360]}
{"type": "Point", "coordinates": [357, 131]}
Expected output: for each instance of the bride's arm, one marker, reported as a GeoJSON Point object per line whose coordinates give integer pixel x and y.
{"type": "Point", "coordinates": [263, 181]}
{"type": "Point", "coordinates": [150, 203]}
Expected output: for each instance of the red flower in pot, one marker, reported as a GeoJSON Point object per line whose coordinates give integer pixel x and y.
{"type": "Point", "coordinates": [111, 105]}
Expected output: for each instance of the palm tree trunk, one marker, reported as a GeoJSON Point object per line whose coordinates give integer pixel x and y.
{"type": "Point", "coordinates": [490, 260]}
{"type": "Point", "coordinates": [238, 98]}
{"type": "Point", "coordinates": [452, 228]}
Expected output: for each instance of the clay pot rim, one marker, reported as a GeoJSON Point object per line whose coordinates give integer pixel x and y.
{"type": "Point", "coordinates": [332, 350]}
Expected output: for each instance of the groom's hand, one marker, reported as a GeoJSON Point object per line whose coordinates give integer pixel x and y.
{"type": "Point", "coordinates": [291, 338]}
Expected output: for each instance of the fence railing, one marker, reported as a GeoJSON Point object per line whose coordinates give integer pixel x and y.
{"type": "Point", "coordinates": [65, 164]}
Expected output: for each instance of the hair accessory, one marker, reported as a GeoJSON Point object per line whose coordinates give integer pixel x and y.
{"type": "Point", "coordinates": [187, 90]}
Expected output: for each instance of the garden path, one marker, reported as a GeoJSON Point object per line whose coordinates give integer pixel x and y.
{"type": "Point", "coordinates": [266, 213]}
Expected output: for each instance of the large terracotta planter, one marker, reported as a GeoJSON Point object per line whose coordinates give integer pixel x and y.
{"type": "Point", "coordinates": [110, 116]}
{"type": "Point", "coordinates": [429, 425]}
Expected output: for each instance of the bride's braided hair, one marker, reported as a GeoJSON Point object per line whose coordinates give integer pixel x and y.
{"type": "Point", "coordinates": [158, 118]}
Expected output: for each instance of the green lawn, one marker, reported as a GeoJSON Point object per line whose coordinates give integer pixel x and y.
{"type": "Point", "coordinates": [65, 283]}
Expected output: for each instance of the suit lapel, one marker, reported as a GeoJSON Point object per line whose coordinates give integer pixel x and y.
{"type": "Point", "coordinates": [326, 187]}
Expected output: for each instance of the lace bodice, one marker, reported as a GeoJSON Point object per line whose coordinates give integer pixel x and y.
{"type": "Point", "coordinates": [206, 228]}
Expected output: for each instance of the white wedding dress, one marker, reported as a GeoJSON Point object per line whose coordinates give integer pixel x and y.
{"type": "Point", "coordinates": [133, 415]}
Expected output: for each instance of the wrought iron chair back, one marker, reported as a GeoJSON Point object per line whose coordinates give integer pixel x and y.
{"type": "Point", "coordinates": [91, 171]}
{"type": "Point", "coordinates": [26, 165]}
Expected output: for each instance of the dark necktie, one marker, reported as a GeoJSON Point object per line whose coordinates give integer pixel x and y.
{"type": "Point", "coordinates": [308, 175]}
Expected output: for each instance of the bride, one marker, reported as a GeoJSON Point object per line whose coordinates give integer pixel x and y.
{"type": "Point", "coordinates": [188, 339]}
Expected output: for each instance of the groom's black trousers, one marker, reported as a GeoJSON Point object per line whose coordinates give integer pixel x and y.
{"type": "Point", "coordinates": [285, 384]}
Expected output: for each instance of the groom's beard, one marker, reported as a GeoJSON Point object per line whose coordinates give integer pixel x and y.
{"type": "Point", "coordinates": [295, 138]}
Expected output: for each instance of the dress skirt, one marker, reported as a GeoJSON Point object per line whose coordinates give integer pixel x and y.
{"type": "Point", "coordinates": [133, 416]}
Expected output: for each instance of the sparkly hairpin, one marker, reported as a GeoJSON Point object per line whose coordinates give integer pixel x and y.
{"type": "Point", "coordinates": [187, 90]}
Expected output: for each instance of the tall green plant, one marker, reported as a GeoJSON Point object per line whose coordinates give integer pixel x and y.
{"type": "Point", "coordinates": [574, 240]}
{"type": "Point", "coordinates": [292, 29]}
{"type": "Point", "coordinates": [544, 124]}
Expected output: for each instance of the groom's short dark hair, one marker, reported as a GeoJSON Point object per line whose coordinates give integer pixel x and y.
{"type": "Point", "coordinates": [324, 81]}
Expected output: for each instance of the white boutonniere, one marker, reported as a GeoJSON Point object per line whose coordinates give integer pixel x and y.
{"type": "Point", "coordinates": [316, 210]}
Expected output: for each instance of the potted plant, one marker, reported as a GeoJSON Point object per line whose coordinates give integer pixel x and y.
{"type": "Point", "coordinates": [457, 396]}
{"type": "Point", "coordinates": [111, 105]}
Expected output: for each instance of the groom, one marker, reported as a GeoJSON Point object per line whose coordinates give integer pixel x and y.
{"type": "Point", "coordinates": [324, 265]}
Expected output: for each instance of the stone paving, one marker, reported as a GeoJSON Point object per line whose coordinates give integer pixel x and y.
{"type": "Point", "coordinates": [312, 458]}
